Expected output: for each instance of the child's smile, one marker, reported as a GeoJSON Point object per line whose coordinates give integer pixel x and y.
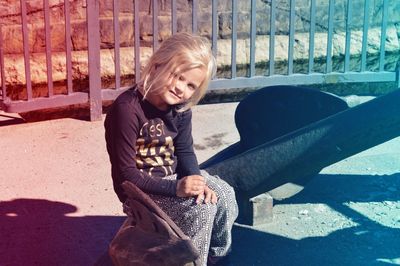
{"type": "Point", "coordinates": [178, 96]}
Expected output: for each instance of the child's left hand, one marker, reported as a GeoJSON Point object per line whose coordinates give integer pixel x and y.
{"type": "Point", "coordinates": [208, 196]}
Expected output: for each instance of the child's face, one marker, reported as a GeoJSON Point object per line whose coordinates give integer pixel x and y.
{"type": "Point", "coordinates": [186, 84]}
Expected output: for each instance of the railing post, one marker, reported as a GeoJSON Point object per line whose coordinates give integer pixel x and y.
{"type": "Point", "coordinates": [25, 41]}
{"type": "Point", "coordinates": [93, 24]}
{"type": "Point", "coordinates": [2, 72]}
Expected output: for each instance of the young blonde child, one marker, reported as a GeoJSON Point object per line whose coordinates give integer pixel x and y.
{"type": "Point", "coordinates": [149, 141]}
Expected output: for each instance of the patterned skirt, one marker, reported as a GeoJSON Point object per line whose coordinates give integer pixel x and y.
{"type": "Point", "coordinates": [208, 225]}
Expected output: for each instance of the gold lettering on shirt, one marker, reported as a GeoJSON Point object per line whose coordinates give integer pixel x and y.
{"type": "Point", "coordinates": [153, 128]}
{"type": "Point", "coordinates": [160, 129]}
{"type": "Point", "coordinates": [154, 149]}
{"type": "Point", "coordinates": [144, 148]}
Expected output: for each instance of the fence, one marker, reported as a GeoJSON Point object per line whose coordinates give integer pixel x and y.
{"type": "Point", "coordinates": [254, 77]}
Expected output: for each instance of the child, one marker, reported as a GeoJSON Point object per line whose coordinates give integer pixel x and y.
{"type": "Point", "coordinates": [149, 141]}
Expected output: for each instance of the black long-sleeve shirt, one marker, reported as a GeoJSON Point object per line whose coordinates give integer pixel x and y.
{"type": "Point", "coordinates": [145, 144]}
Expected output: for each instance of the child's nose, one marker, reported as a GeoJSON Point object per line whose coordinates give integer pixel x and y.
{"type": "Point", "coordinates": [180, 86]}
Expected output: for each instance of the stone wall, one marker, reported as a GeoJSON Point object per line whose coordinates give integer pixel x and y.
{"type": "Point", "coordinates": [13, 45]}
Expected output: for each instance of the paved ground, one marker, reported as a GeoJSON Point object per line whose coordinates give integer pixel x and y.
{"type": "Point", "coordinates": [57, 206]}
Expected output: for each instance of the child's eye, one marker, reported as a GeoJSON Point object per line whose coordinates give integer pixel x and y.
{"type": "Point", "coordinates": [181, 78]}
{"type": "Point", "coordinates": [191, 87]}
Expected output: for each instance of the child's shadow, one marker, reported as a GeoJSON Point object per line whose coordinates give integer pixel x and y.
{"type": "Point", "coordinates": [39, 232]}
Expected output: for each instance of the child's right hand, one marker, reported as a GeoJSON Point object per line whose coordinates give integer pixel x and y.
{"type": "Point", "coordinates": [191, 185]}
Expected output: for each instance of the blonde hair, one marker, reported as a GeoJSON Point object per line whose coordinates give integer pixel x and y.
{"type": "Point", "coordinates": [179, 53]}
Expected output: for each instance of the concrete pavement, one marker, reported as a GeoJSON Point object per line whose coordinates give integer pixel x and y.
{"type": "Point", "coordinates": [57, 206]}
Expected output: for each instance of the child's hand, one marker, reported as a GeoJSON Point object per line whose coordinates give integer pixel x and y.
{"type": "Point", "coordinates": [192, 185]}
{"type": "Point", "coordinates": [208, 196]}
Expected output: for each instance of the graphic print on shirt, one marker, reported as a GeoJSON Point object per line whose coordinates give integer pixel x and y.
{"type": "Point", "coordinates": [154, 150]}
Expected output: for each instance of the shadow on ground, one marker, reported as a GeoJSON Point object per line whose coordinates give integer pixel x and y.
{"type": "Point", "coordinates": [42, 232]}
{"type": "Point", "coordinates": [372, 202]}
{"type": "Point", "coordinates": [77, 111]}
{"type": "Point", "coordinates": [7, 120]}
{"type": "Point", "coordinates": [39, 232]}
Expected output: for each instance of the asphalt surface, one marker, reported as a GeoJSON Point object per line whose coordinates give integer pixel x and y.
{"type": "Point", "coordinates": [57, 206]}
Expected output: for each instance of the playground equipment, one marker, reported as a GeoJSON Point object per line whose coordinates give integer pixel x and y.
{"type": "Point", "coordinates": [306, 135]}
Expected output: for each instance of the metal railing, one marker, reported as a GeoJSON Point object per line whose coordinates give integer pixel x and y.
{"type": "Point", "coordinates": [311, 77]}
{"type": "Point", "coordinates": [96, 95]}
{"type": "Point", "coordinates": [36, 103]}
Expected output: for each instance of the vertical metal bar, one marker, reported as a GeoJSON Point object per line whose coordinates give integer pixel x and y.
{"type": "Point", "coordinates": [234, 38]}
{"type": "Point", "coordinates": [194, 15]}
{"type": "Point", "coordinates": [48, 47]}
{"type": "Point", "coordinates": [312, 38]}
{"type": "Point", "coordinates": [137, 42]}
{"type": "Point", "coordinates": [173, 16]}
{"type": "Point", "coordinates": [253, 38]}
{"type": "Point", "coordinates": [68, 46]}
{"type": "Point", "coordinates": [214, 27]}
{"type": "Point", "coordinates": [272, 39]}
{"type": "Point", "coordinates": [348, 36]}
{"type": "Point", "coordinates": [398, 77]}
{"type": "Point", "coordinates": [292, 16]}
{"type": "Point", "coordinates": [93, 25]}
{"type": "Point", "coordinates": [26, 50]}
{"type": "Point", "coordinates": [155, 24]}
{"type": "Point", "coordinates": [330, 36]}
{"type": "Point", "coordinates": [365, 36]}
{"type": "Point", "coordinates": [383, 36]}
{"type": "Point", "coordinates": [2, 73]}
{"type": "Point", "coordinates": [116, 45]}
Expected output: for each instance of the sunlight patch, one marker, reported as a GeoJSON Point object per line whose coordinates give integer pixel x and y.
{"type": "Point", "coordinates": [386, 213]}
{"type": "Point", "coordinates": [298, 221]}
{"type": "Point", "coordinates": [395, 261]}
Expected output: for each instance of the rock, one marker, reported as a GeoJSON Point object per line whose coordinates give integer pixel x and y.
{"type": "Point", "coordinates": [303, 212]}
